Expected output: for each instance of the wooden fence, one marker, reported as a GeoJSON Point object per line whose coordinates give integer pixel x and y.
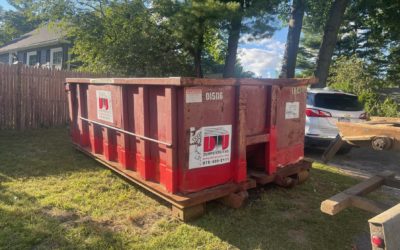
{"type": "Point", "coordinates": [32, 97]}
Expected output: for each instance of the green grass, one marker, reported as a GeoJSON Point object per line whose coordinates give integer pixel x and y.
{"type": "Point", "coordinates": [52, 196]}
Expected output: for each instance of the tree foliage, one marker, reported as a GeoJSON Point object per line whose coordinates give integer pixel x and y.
{"type": "Point", "coordinates": [350, 75]}
{"type": "Point", "coordinates": [367, 32]}
{"type": "Point", "coordinates": [15, 23]}
{"type": "Point", "coordinates": [254, 19]}
{"type": "Point", "coordinates": [126, 39]}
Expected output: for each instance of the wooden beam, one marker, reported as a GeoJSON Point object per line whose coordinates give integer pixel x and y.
{"type": "Point", "coordinates": [332, 149]}
{"type": "Point", "coordinates": [342, 200]}
{"type": "Point", "coordinates": [368, 205]}
{"type": "Point", "coordinates": [392, 182]}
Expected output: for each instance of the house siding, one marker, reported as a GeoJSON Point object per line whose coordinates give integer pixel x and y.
{"type": "Point", "coordinates": [4, 58]}
{"type": "Point", "coordinates": [43, 54]}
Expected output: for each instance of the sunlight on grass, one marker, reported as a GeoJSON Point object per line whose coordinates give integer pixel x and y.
{"type": "Point", "coordinates": [52, 196]}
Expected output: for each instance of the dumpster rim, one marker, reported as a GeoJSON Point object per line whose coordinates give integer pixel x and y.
{"type": "Point", "coordinates": [191, 81]}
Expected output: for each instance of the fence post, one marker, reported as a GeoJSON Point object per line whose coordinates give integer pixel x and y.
{"type": "Point", "coordinates": [18, 97]}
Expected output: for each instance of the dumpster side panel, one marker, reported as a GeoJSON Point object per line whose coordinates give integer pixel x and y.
{"type": "Point", "coordinates": [151, 113]}
{"type": "Point", "coordinates": [162, 122]}
{"type": "Point", "coordinates": [208, 127]}
{"type": "Point", "coordinates": [182, 139]}
{"type": "Point", "coordinates": [287, 126]}
{"type": "Point", "coordinates": [256, 104]}
{"type": "Point", "coordinates": [104, 104]}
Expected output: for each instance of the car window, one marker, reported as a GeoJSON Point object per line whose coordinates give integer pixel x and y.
{"type": "Point", "coordinates": [338, 102]}
{"type": "Point", "coordinates": [310, 99]}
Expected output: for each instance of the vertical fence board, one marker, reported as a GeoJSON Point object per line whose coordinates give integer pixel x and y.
{"type": "Point", "coordinates": [33, 97]}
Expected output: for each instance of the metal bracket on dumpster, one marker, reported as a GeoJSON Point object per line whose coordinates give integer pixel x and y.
{"type": "Point", "coordinates": [127, 132]}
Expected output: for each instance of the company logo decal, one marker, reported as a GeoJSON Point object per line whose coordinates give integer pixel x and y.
{"type": "Point", "coordinates": [210, 146]}
{"type": "Point", "coordinates": [104, 105]}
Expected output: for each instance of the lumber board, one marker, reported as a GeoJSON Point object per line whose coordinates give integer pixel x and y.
{"type": "Point", "coordinates": [392, 182]}
{"type": "Point", "coordinates": [332, 149]}
{"type": "Point", "coordinates": [368, 205]}
{"type": "Point", "coordinates": [347, 198]}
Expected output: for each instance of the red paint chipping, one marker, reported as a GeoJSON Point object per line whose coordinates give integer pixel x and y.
{"type": "Point", "coordinates": [165, 118]}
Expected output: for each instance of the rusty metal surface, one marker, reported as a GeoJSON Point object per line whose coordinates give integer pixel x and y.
{"type": "Point", "coordinates": [182, 136]}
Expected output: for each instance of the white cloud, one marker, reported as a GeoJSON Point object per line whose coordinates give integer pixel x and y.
{"type": "Point", "coordinates": [263, 57]}
{"type": "Point", "coordinates": [269, 43]}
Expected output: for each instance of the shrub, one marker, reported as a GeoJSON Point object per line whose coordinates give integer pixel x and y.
{"type": "Point", "coordinates": [349, 74]}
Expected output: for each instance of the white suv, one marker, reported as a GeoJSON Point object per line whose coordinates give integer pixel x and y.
{"type": "Point", "coordinates": [325, 108]}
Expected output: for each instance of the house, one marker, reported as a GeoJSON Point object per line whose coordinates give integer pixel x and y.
{"type": "Point", "coordinates": [44, 47]}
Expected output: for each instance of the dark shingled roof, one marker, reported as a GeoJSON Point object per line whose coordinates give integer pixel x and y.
{"type": "Point", "coordinates": [42, 36]}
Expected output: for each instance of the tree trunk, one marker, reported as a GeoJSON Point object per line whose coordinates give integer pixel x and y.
{"type": "Point", "coordinates": [198, 71]}
{"type": "Point", "coordinates": [197, 53]}
{"type": "Point", "coordinates": [233, 41]}
{"type": "Point", "coordinates": [293, 38]}
{"type": "Point", "coordinates": [329, 39]}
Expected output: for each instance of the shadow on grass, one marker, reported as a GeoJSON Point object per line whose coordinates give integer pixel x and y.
{"type": "Point", "coordinates": [42, 152]}
{"type": "Point", "coordinates": [25, 224]}
{"type": "Point", "coordinates": [278, 218]}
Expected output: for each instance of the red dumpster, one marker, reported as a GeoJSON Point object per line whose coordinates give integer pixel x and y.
{"type": "Point", "coordinates": [193, 140]}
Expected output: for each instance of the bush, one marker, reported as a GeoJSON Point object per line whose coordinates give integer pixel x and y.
{"type": "Point", "coordinates": [350, 75]}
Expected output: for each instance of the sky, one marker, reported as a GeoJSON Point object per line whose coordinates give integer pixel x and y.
{"type": "Point", "coordinates": [4, 4]}
{"type": "Point", "coordinates": [263, 57]}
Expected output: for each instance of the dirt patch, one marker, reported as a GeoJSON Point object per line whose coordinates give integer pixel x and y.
{"type": "Point", "coordinates": [145, 220]}
{"type": "Point", "coordinates": [60, 215]}
{"type": "Point", "coordinates": [297, 236]}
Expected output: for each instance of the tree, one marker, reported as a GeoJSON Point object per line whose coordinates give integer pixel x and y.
{"type": "Point", "coordinates": [195, 22]}
{"type": "Point", "coordinates": [329, 39]}
{"type": "Point", "coordinates": [14, 23]}
{"type": "Point", "coordinates": [293, 38]}
{"type": "Point", "coordinates": [349, 74]}
{"type": "Point", "coordinates": [253, 17]}
{"type": "Point", "coordinates": [126, 38]}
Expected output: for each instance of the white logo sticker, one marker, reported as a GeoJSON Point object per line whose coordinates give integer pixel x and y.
{"type": "Point", "coordinates": [292, 110]}
{"type": "Point", "coordinates": [210, 146]}
{"type": "Point", "coordinates": [104, 105]}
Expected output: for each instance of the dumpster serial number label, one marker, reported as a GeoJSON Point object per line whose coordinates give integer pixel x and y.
{"type": "Point", "coordinates": [104, 105]}
{"type": "Point", "coordinates": [292, 110]}
{"type": "Point", "coordinates": [210, 146]}
{"type": "Point", "coordinates": [194, 95]}
{"type": "Point", "coordinates": [214, 96]}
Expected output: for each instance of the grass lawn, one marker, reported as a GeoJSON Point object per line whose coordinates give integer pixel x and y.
{"type": "Point", "coordinates": [52, 196]}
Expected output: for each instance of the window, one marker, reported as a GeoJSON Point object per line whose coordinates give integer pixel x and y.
{"type": "Point", "coordinates": [56, 58]}
{"type": "Point", "coordinates": [13, 57]}
{"type": "Point", "coordinates": [340, 102]}
{"type": "Point", "coordinates": [310, 99]}
{"type": "Point", "coordinates": [31, 58]}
